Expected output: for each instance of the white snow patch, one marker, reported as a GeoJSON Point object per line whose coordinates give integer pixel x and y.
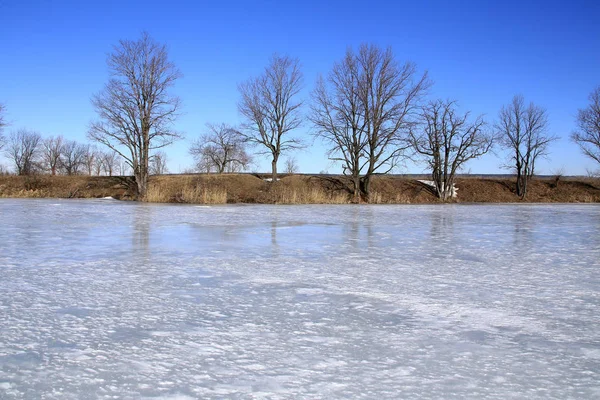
{"type": "Point", "coordinates": [432, 184]}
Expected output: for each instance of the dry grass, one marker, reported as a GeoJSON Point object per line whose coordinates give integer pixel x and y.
{"type": "Point", "coordinates": [294, 189]}
{"type": "Point", "coordinates": [291, 195]}
{"type": "Point", "coordinates": [158, 193]}
{"type": "Point", "coordinates": [539, 191]}
{"type": "Point", "coordinates": [188, 189]}
{"type": "Point", "coordinates": [38, 186]}
{"type": "Point", "coordinates": [375, 198]}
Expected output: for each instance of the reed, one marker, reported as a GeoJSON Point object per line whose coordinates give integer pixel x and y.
{"type": "Point", "coordinates": [185, 190]}
{"type": "Point", "coordinates": [309, 195]}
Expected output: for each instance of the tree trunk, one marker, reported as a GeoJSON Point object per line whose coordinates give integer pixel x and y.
{"type": "Point", "coordinates": [520, 184]}
{"type": "Point", "coordinates": [446, 192]}
{"type": "Point", "coordinates": [438, 182]}
{"type": "Point", "coordinates": [356, 183]}
{"type": "Point", "coordinates": [274, 170]}
{"type": "Point", "coordinates": [366, 186]}
{"type": "Point", "coordinates": [141, 180]}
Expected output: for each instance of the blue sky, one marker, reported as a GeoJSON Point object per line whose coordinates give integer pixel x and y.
{"type": "Point", "coordinates": [53, 57]}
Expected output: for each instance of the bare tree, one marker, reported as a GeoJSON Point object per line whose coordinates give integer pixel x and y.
{"type": "Point", "coordinates": [135, 108]}
{"type": "Point", "coordinates": [51, 152]}
{"type": "Point", "coordinates": [91, 159]}
{"type": "Point", "coordinates": [364, 111]}
{"type": "Point", "coordinates": [73, 157]}
{"type": "Point", "coordinates": [221, 149]}
{"type": "Point", "coordinates": [339, 118]}
{"type": "Point", "coordinates": [291, 165]}
{"type": "Point", "coordinates": [271, 110]}
{"type": "Point", "coordinates": [123, 167]}
{"type": "Point", "coordinates": [23, 149]}
{"type": "Point", "coordinates": [98, 166]}
{"type": "Point", "coordinates": [202, 163]}
{"type": "Point", "coordinates": [158, 163]}
{"type": "Point", "coordinates": [446, 140]}
{"type": "Point", "coordinates": [110, 161]}
{"type": "Point", "coordinates": [523, 131]}
{"type": "Point", "coordinates": [588, 122]}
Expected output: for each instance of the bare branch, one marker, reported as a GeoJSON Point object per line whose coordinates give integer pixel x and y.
{"type": "Point", "coordinates": [291, 165]}
{"type": "Point", "coordinates": [23, 150]}
{"type": "Point", "coordinates": [364, 111]}
{"type": "Point", "coordinates": [222, 149]}
{"type": "Point", "coordinates": [269, 107]}
{"type": "Point", "coordinates": [51, 151]}
{"type": "Point", "coordinates": [73, 157]}
{"type": "Point", "coordinates": [446, 140]}
{"type": "Point", "coordinates": [158, 163]}
{"type": "Point", "coordinates": [588, 122]}
{"type": "Point", "coordinates": [110, 162]}
{"type": "Point", "coordinates": [136, 112]}
{"type": "Point", "coordinates": [523, 131]}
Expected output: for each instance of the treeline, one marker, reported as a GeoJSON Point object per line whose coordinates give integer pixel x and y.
{"type": "Point", "coordinates": [371, 110]}
{"type": "Point", "coordinates": [31, 154]}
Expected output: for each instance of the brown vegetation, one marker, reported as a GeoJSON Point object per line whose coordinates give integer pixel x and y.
{"type": "Point", "coordinates": [295, 189]}
{"type": "Point", "coordinates": [60, 186]}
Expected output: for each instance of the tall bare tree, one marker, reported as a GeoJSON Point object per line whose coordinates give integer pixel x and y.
{"type": "Point", "coordinates": [222, 149]}
{"type": "Point", "coordinates": [23, 149]}
{"type": "Point", "coordinates": [91, 159]}
{"type": "Point", "coordinates": [270, 107]}
{"type": "Point", "coordinates": [123, 167]}
{"type": "Point", "coordinates": [339, 118]}
{"type": "Point", "coordinates": [158, 163]}
{"type": "Point", "coordinates": [446, 140]}
{"type": "Point", "coordinates": [97, 164]}
{"type": "Point", "coordinates": [588, 122]}
{"type": "Point", "coordinates": [73, 157]}
{"type": "Point", "coordinates": [135, 108]}
{"type": "Point", "coordinates": [523, 130]}
{"type": "Point", "coordinates": [364, 111]}
{"type": "Point", "coordinates": [110, 161]}
{"type": "Point", "coordinates": [291, 165]}
{"type": "Point", "coordinates": [51, 152]}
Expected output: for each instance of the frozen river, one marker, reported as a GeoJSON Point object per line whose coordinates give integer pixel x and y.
{"type": "Point", "coordinates": [105, 299]}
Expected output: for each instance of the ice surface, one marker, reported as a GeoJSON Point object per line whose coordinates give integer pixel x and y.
{"type": "Point", "coordinates": [121, 300]}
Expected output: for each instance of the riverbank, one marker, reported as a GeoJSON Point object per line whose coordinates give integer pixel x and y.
{"type": "Point", "coordinates": [296, 189]}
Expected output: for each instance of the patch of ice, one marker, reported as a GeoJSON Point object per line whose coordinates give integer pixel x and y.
{"type": "Point", "coordinates": [347, 302]}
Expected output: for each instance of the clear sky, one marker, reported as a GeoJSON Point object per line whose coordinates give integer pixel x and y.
{"type": "Point", "coordinates": [53, 58]}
